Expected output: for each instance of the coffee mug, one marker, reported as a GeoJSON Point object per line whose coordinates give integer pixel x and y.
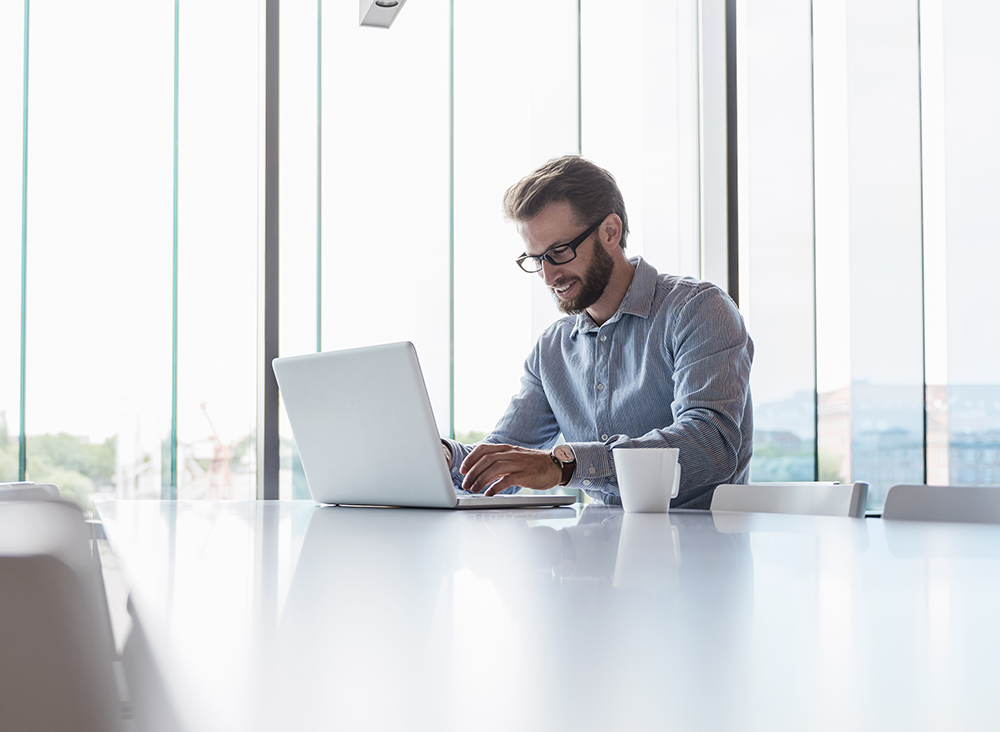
{"type": "Point", "coordinates": [648, 477]}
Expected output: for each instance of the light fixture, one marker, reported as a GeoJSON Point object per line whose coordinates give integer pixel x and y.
{"type": "Point", "coordinates": [380, 13]}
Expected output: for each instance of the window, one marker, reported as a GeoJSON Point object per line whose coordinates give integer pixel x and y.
{"type": "Point", "coordinates": [11, 145]}
{"type": "Point", "coordinates": [867, 155]}
{"type": "Point", "coordinates": [868, 178]}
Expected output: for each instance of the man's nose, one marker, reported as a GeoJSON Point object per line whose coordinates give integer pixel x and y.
{"type": "Point", "coordinates": [548, 272]}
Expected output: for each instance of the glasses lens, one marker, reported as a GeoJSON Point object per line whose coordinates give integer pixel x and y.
{"type": "Point", "coordinates": [561, 255]}
{"type": "Point", "coordinates": [530, 264]}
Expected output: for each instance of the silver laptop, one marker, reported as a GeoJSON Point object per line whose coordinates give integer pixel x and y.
{"type": "Point", "coordinates": [366, 434]}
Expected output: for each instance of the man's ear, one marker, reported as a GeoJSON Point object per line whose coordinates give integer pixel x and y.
{"type": "Point", "coordinates": [611, 232]}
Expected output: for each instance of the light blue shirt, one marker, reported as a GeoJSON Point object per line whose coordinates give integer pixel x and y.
{"type": "Point", "coordinates": [671, 368]}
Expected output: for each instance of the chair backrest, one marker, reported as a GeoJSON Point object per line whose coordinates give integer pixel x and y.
{"type": "Point", "coordinates": [966, 504]}
{"type": "Point", "coordinates": [56, 660]}
{"type": "Point", "coordinates": [816, 499]}
{"type": "Point", "coordinates": [27, 491]}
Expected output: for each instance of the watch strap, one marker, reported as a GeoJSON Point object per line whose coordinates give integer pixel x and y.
{"type": "Point", "coordinates": [568, 468]}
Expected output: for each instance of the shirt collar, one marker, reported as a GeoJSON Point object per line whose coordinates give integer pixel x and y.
{"type": "Point", "coordinates": [638, 299]}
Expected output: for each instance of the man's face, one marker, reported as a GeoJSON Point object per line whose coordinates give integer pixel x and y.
{"type": "Point", "coordinates": [578, 284]}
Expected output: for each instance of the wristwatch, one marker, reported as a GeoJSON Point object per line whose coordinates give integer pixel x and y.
{"type": "Point", "coordinates": [563, 456]}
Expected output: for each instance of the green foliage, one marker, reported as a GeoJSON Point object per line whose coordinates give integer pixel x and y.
{"type": "Point", "coordinates": [8, 453]}
{"type": "Point", "coordinates": [93, 461]}
{"type": "Point", "coordinates": [774, 450]}
{"type": "Point", "coordinates": [470, 437]}
{"type": "Point", "coordinates": [8, 462]}
{"type": "Point", "coordinates": [72, 485]}
{"type": "Point", "coordinates": [76, 466]}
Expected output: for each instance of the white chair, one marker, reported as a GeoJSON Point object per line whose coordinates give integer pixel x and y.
{"type": "Point", "coordinates": [56, 662]}
{"type": "Point", "coordinates": [816, 499]}
{"type": "Point", "coordinates": [965, 504]}
{"type": "Point", "coordinates": [27, 491]}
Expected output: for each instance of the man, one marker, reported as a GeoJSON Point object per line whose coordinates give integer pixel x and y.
{"type": "Point", "coordinates": [643, 360]}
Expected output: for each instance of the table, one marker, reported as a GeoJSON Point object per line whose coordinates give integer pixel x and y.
{"type": "Point", "coordinates": [287, 616]}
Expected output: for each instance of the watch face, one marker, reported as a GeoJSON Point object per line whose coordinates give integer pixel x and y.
{"type": "Point", "coordinates": [564, 454]}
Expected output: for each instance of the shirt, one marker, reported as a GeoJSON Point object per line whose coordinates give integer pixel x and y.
{"type": "Point", "coordinates": [671, 368]}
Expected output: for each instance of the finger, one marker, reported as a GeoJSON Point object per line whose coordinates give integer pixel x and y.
{"type": "Point", "coordinates": [485, 466]}
{"type": "Point", "coordinates": [505, 482]}
{"type": "Point", "coordinates": [479, 452]}
{"type": "Point", "coordinates": [486, 474]}
{"type": "Point", "coordinates": [503, 468]}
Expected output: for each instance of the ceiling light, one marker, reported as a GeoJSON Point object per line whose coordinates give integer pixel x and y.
{"type": "Point", "coordinates": [380, 13]}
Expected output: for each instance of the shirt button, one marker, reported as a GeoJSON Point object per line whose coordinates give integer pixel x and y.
{"type": "Point", "coordinates": [604, 338]}
{"type": "Point", "coordinates": [586, 482]}
{"type": "Point", "coordinates": [593, 470]}
{"type": "Point", "coordinates": [604, 437]}
{"type": "Point", "coordinates": [600, 387]}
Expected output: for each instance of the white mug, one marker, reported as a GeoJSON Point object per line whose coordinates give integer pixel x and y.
{"type": "Point", "coordinates": [648, 477]}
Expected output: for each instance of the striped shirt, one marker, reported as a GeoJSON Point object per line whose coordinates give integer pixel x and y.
{"type": "Point", "coordinates": [671, 368]}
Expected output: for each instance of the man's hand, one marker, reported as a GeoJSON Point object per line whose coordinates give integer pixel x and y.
{"type": "Point", "coordinates": [505, 466]}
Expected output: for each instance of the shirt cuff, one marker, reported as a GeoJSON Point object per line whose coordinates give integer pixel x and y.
{"type": "Point", "coordinates": [593, 465]}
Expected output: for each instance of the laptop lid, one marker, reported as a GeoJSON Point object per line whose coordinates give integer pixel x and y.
{"type": "Point", "coordinates": [364, 428]}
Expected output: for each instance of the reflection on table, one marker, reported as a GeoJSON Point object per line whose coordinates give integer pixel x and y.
{"type": "Point", "coordinates": [284, 615]}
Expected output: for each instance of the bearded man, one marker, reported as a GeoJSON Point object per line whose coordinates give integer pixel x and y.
{"type": "Point", "coordinates": [642, 359]}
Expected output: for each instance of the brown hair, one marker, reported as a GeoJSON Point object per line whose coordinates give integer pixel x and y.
{"type": "Point", "coordinates": [588, 188]}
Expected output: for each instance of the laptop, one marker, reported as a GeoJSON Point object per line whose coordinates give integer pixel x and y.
{"type": "Point", "coordinates": [366, 434]}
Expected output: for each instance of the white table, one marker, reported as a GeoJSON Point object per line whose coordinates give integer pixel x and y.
{"type": "Point", "coordinates": [287, 616]}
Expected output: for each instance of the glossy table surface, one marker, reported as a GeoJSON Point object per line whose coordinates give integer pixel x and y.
{"type": "Point", "coordinates": [286, 615]}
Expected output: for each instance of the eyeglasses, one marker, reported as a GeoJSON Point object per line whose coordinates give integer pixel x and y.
{"type": "Point", "coordinates": [559, 254]}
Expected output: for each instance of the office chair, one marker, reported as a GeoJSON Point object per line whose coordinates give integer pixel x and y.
{"type": "Point", "coordinates": [964, 504]}
{"type": "Point", "coordinates": [816, 499]}
{"type": "Point", "coordinates": [56, 665]}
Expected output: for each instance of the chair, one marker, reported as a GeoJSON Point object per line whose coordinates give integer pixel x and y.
{"type": "Point", "coordinates": [964, 504]}
{"type": "Point", "coordinates": [56, 666]}
{"type": "Point", "coordinates": [817, 499]}
{"type": "Point", "coordinates": [26, 491]}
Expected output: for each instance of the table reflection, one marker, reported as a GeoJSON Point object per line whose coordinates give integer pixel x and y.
{"type": "Point", "coordinates": [423, 615]}
{"type": "Point", "coordinates": [284, 615]}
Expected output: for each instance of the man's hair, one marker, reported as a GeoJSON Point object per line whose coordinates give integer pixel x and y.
{"type": "Point", "coordinates": [589, 189]}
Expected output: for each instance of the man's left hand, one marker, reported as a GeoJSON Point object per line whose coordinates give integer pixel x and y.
{"type": "Point", "coordinates": [505, 466]}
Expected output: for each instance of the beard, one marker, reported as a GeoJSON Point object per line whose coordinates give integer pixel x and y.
{"type": "Point", "coordinates": [592, 286]}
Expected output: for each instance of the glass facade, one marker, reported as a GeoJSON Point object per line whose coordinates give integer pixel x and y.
{"type": "Point", "coordinates": [966, 101]}
{"type": "Point", "coordinates": [776, 221]}
{"type": "Point", "coordinates": [12, 85]}
{"type": "Point", "coordinates": [900, 190]}
{"type": "Point", "coordinates": [868, 191]}
{"type": "Point", "coordinates": [97, 271]}
{"type": "Point", "coordinates": [219, 91]}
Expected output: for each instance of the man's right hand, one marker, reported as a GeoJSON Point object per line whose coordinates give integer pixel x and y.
{"type": "Point", "coordinates": [491, 468]}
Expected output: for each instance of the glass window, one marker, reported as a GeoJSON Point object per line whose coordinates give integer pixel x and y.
{"type": "Point", "coordinates": [515, 108]}
{"type": "Point", "coordinates": [776, 234]}
{"type": "Point", "coordinates": [300, 224]}
{"type": "Point", "coordinates": [640, 121]}
{"type": "Point", "coordinates": [867, 69]}
{"type": "Point", "coordinates": [905, 167]}
{"type": "Point", "coordinates": [99, 246]}
{"type": "Point", "coordinates": [385, 167]}
{"type": "Point", "coordinates": [966, 103]}
{"type": "Point", "coordinates": [220, 95]}
{"type": "Point", "coordinates": [11, 144]}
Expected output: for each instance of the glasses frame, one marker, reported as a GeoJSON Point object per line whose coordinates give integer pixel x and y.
{"type": "Point", "coordinates": [547, 254]}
